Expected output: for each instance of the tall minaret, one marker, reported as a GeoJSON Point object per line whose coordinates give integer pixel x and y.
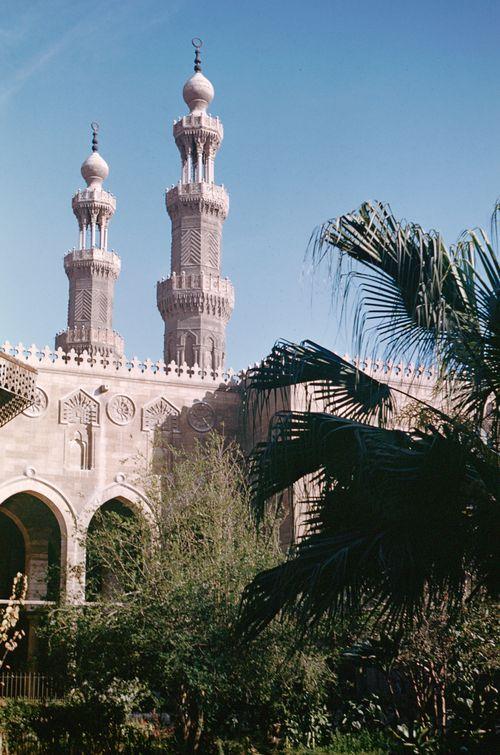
{"type": "Point", "coordinates": [92, 270]}
{"type": "Point", "coordinates": [195, 302]}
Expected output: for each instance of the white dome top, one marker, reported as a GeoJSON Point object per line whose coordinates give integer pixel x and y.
{"type": "Point", "coordinates": [198, 93]}
{"type": "Point", "coordinates": [95, 170]}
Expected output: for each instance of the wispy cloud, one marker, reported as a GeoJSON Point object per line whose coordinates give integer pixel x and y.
{"type": "Point", "coordinates": [25, 72]}
{"type": "Point", "coordinates": [77, 28]}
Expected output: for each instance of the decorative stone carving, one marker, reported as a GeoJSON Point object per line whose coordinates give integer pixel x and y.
{"type": "Point", "coordinates": [39, 405]}
{"type": "Point", "coordinates": [120, 410]}
{"type": "Point", "coordinates": [79, 454]}
{"type": "Point", "coordinates": [201, 416]}
{"type": "Point", "coordinates": [160, 413]}
{"type": "Point", "coordinates": [79, 408]}
{"type": "Point", "coordinates": [72, 362]}
{"type": "Point", "coordinates": [17, 385]}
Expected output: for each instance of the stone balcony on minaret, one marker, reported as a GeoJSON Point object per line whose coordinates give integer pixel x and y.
{"type": "Point", "coordinates": [91, 269]}
{"type": "Point", "coordinates": [196, 302]}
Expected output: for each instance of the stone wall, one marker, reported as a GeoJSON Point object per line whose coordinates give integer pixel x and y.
{"type": "Point", "coordinates": [91, 429]}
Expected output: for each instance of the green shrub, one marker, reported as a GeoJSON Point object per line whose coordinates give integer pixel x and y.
{"type": "Point", "coordinates": [80, 723]}
{"type": "Point", "coordinates": [170, 624]}
{"type": "Point", "coordinates": [175, 604]}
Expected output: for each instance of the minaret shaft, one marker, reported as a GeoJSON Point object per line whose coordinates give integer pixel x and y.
{"type": "Point", "coordinates": [91, 269]}
{"type": "Point", "coordinates": [195, 302]}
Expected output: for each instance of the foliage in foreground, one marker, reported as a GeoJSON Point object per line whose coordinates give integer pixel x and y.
{"type": "Point", "coordinates": [172, 594]}
{"type": "Point", "coordinates": [402, 522]}
{"type": "Point", "coordinates": [83, 722]}
{"type": "Point", "coordinates": [10, 635]}
{"type": "Point", "coordinates": [175, 590]}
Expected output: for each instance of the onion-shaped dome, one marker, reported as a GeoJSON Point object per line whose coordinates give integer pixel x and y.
{"type": "Point", "coordinates": [95, 170]}
{"type": "Point", "coordinates": [198, 93]}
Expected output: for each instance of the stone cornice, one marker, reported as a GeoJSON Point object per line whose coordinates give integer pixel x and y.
{"type": "Point", "coordinates": [96, 261]}
{"type": "Point", "coordinates": [196, 302]}
{"type": "Point", "coordinates": [93, 340]}
{"type": "Point", "coordinates": [205, 197]}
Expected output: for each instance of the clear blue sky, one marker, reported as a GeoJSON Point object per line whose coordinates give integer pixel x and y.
{"type": "Point", "coordinates": [324, 104]}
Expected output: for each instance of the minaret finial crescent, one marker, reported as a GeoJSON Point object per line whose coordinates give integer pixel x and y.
{"type": "Point", "coordinates": [95, 130]}
{"type": "Point", "coordinates": [197, 44]}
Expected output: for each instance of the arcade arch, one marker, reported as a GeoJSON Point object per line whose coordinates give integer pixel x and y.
{"type": "Point", "coordinates": [113, 547]}
{"type": "Point", "coordinates": [30, 542]}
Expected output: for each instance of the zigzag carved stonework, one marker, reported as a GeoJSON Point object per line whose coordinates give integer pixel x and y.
{"type": "Point", "coordinates": [191, 246]}
{"type": "Point", "coordinates": [160, 413]}
{"type": "Point", "coordinates": [213, 250]}
{"type": "Point", "coordinates": [79, 408]}
{"type": "Point", "coordinates": [102, 307]}
{"type": "Point", "coordinates": [83, 305]}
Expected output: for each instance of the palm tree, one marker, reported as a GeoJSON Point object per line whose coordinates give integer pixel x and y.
{"type": "Point", "coordinates": [401, 520]}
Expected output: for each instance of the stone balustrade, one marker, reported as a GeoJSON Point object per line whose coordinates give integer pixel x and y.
{"type": "Point", "coordinates": [203, 281]}
{"type": "Point", "coordinates": [94, 340]}
{"type": "Point", "coordinates": [94, 254]}
{"type": "Point", "coordinates": [99, 196]}
{"type": "Point", "coordinates": [200, 120]}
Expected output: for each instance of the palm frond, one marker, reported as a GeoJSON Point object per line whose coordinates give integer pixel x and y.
{"type": "Point", "coordinates": [419, 299]}
{"type": "Point", "coordinates": [399, 523]}
{"type": "Point", "coordinates": [304, 443]}
{"type": "Point", "coordinates": [409, 292]}
{"type": "Point", "coordinates": [331, 381]}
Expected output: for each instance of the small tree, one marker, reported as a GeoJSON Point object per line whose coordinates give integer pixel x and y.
{"type": "Point", "coordinates": [9, 634]}
{"type": "Point", "coordinates": [177, 584]}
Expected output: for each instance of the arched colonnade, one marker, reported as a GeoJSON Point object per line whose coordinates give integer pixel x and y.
{"type": "Point", "coordinates": [45, 534]}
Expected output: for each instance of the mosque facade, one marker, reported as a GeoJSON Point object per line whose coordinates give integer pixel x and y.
{"type": "Point", "coordinates": [85, 412]}
{"type": "Point", "coordinates": [91, 413]}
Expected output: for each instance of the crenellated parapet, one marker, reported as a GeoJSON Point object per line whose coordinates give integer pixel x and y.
{"type": "Point", "coordinates": [100, 364]}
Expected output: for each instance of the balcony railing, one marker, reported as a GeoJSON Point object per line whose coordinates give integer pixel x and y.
{"type": "Point", "coordinates": [17, 387]}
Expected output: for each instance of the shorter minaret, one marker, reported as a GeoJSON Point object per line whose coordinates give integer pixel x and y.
{"type": "Point", "coordinates": [195, 301]}
{"type": "Point", "coordinates": [91, 269]}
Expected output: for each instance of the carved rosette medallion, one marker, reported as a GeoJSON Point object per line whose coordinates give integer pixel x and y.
{"type": "Point", "coordinates": [120, 410]}
{"type": "Point", "coordinates": [201, 417]}
{"type": "Point", "coordinates": [39, 406]}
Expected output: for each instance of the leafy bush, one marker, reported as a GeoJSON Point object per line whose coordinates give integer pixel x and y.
{"type": "Point", "coordinates": [167, 619]}
{"type": "Point", "coordinates": [85, 721]}
{"type": "Point", "coordinates": [176, 593]}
